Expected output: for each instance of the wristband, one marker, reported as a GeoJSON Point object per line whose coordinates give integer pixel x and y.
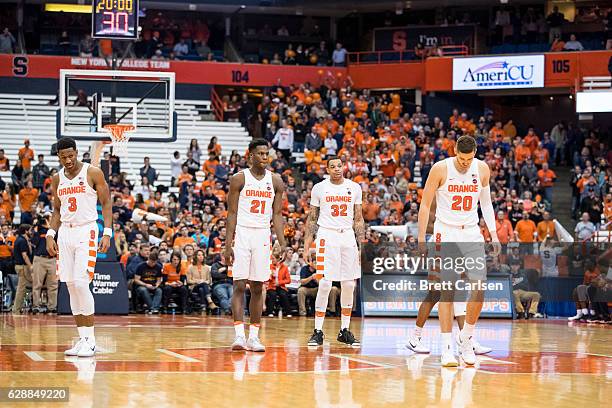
{"type": "Point", "coordinates": [107, 232]}
{"type": "Point", "coordinates": [51, 233]}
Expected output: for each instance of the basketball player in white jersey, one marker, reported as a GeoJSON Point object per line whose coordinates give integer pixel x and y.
{"type": "Point", "coordinates": [77, 188]}
{"type": "Point", "coordinates": [336, 216]}
{"type": "Point", "coordinates": [254, 199]}
{"type": "Point", "coordinates": [458, 184]}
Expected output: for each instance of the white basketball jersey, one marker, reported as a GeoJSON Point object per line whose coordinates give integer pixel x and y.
{"type": "Point", "coordinates": [255, 201]}
{"type": "Point", "coordinates": [78, 199]}
{"type": "Point", "coordinates": [457, 199]}
{"type": "Point", "coordinates": [336, 203]}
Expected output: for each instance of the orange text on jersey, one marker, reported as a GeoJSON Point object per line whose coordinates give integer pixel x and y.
{"type": "Point", "coordinates": [258, 193]}
{"type": "Point", "coordinates": [71, 190]}
{"type": "Point", "coordinates": [463, 188]}
{"type": "Point", "coordinates": [338, 199]}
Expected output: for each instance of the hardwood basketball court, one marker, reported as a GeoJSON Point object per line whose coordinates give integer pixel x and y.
{"type": "Point", "coordinates": [185, 361]}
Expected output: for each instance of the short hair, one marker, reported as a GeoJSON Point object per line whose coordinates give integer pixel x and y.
{"type": "Point", "coordinates": [466, 144]}
{"type": "Point", "coordinates": [23, 228]}
{"type": "Point", "coordinates": [153, 256]}
{"type": "Point", "coordinates": [255, 143]}
{"type": "Point", "coordinates": [66, 143]}
{"type": "Point", "coordinates": [330, 158]}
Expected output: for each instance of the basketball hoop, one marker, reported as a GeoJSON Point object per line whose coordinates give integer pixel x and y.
{"type": "Point", "coordinates": [120, 136]}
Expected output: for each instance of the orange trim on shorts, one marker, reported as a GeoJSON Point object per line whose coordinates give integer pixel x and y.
{"type": "Point", "coordinates": [91, 275]}
{"type": "Point", "coordinates": [92, 244]}
{"type": "Point", "coordinates": [91, 263]}
{"type": "Point", "coordinates": [93, 253]}
{"type": "Point", "coordinates": [319, 314]}
{"type": "Point", "coordinates": [236, 322]}
{"type": "Point", "coordinates": [321, 250]}
{"type": "Point", "coordinates": [320, 259]}
{"type": "Point", "coordinates": [320, 268]}
{"type": "Point", "coordinates": [256, 324]}
{"type": "Point", "coordinates": [346, 312]}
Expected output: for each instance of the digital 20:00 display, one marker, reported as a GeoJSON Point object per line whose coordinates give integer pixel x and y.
{"type": "Point", "coordinates": [116, 19]}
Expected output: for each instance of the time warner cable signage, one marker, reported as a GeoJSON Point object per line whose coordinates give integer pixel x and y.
{"type": "Point", "coordinates": [499, 72]}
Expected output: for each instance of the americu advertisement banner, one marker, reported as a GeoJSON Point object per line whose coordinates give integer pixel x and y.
{"type": "Point", "coordinates": [499, 72]}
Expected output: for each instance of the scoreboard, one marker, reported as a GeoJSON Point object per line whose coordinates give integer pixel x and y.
{"type": "Point", "coordinates": [115, 19]}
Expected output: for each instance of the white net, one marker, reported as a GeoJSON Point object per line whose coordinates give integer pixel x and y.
{"type": "Point", "coordinates": [120, 136]}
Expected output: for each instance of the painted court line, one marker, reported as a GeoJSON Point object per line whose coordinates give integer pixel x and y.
{"type": "Point", "coordinates": [179, 356]}
{"type": "Point", "coordinates": [34, 355]}
{"type": "Point", "coordinates": [362, 361]}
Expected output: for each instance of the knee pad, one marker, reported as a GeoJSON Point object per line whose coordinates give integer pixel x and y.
{"type": "Point", "coordinates": [323, 295]}
{"type": "Point", "coordinates": [459, 308]}
{"type": "Point", "coordinates": [346, 294]}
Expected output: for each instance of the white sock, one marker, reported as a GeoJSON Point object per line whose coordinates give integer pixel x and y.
{"type": "Point", "coordinates": [585, 311]}
{"type": "Point", "coordinates": [88, 333]}
{"type": "Point", "coordinates": [345, 321]}
{"type": "Point", "coordinates": [253, 331]}
{"type": "Point", "coordinates": [319, 322]}
{"type": "Point", "coordinates": [592, 312]}
{"type": "Point", "coordinates": [579, 312]}
{"type": "Point", "coordinates": [468, 331]}
{"type": "Point", "coordinates": [239, 328]}
{"type": "Point", "coordinates": [447, 341]}
{"type": "Point", "coordinates": [81, 333]}
{"type": "Point", "coordinates": [418, 331]}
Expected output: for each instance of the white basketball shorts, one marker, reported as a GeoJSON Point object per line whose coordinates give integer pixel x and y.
{"type": "Point", "coordinates": [77, 251]}
{"type": "Point", "coordinates": [251, 254]}
{"type": "Point", "coordinates": [337, 256]}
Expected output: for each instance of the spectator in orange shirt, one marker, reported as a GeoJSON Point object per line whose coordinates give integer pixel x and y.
{"type": "Point", "coordinates": [547, 179]}
{"type": "Point", "coordinates": [510, 129]}
{"type": "Point", "coordinates": [546, 227]}
{"type": "Point", "coordinates": [277, 289]}
{"type": "Point", "coordinates": [497, 134]}
{"type": "Point", "coordinates": [540, 155]}
{"type": "Point", "coordinates": [531, 140]}
{"type": "Point", "coordinates": [184, 177]}
{"type": "Point", "coordinates": [28, 196]}
{"type": "Point", "coordinates": [183, 239]}
{"type": "Point", "coordinates": [503, 226]}
{"type": "Point", "coordinates": [210, 164]}
{"type": "Point", "coordinates": [4, 162]}
{"type": "Point", "coordinates": [214, 148]}
{"type": "Point", "coordinates": [522, 152]}
{"type": "Point", "coordinates": [525, 233]}
{"type": "Point", "coordinates": [371, 211]}
{"type": "Point", "coordinates": [174, 278]}
{"type": "Point", "coordinates": [607, 210]}
{"type": "Point", "coordinates": [26, 155]}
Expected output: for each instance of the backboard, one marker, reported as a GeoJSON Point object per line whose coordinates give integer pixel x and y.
{"type": "Point", "coordinates": [91, 99]}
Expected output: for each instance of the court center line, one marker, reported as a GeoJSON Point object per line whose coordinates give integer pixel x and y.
{"type": "Point", "coordinates": [34, 355]}
{"type": "Point", "coordinates": [179, 356]}
{"type": "Point", "coordinates": [359, 360]}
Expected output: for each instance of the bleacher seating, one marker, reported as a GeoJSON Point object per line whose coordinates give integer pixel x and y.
{"type": "Point", "coordinates": [30, 116]}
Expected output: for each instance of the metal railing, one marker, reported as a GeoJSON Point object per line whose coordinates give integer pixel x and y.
{"type": "Point", "coordinates": [594, 83]}
{"type": "Point", "coordinates": [217, 105]}
{"type": "Point", "coordinates": [391, 56]}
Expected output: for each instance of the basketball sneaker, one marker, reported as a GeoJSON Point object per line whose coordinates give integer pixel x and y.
{"type": "Point", "coordinates": [316, 339]}
{"type": "Point", "coordinates": [254, 344]}
{"type": "Point", "coordinates": [466, 351]}
{"type": "Point", "coordinates": [415, 344]}
{"type": "Point", "coordinates": [239, 344]}
{"type": "Point", "coordinates": [88, 349]}
{"type": "Point", "coordinates": [447, 359]}
{"type": "Point", "coordinates": [577, 317]}
{"type": "Point", "coordinates": [74, 351]}
{"type": "Point", "coordinates": [345, 336]}
{"type": "Point", "coordinates": [478, 348]}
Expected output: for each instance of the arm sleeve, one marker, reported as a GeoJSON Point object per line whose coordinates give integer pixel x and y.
{"type": "Point", "coordinates": [486, 206]}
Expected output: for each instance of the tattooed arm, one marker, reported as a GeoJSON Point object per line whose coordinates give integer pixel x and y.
{"type": "Point", "coordinates": [359, 226]}
{"type": "Point", "coordinates": [311, 229]}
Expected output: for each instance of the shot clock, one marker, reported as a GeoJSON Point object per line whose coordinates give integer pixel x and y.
{"type": "Point", "coordinates": [115, 19]}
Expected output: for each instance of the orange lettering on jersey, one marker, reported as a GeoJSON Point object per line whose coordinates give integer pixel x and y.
{"type": "Point", "coordinates": [71, 190]}
{"type": "Point", "coordinates": [338, 199]}
{"type": "Point", "coordinates": [258, 193]}
{"type": "Point", "coordinates": [463, 188]}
